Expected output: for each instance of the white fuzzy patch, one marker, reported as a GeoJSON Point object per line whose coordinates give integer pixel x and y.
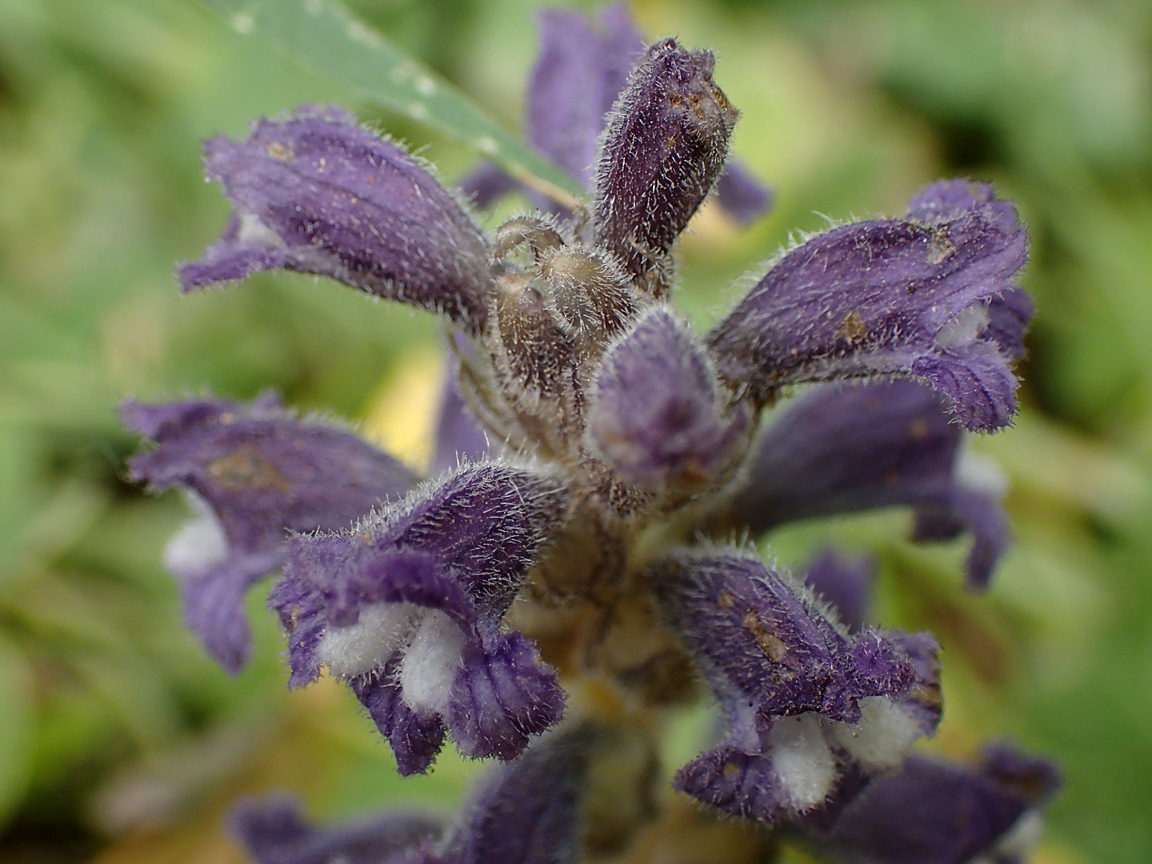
{"type": "Point", "coordinates": [200, 544]}
{"type": "Point", "coordinates": [802, 760]}
{"type": "Point", "coordinates": [430, 664]}
{"type": "Point", "coordinates": [964, 328]}
{"type": "Point", "coordinates": [369, 643]}
{"type": "Point", "coordinates": [883, 735]}
{"type": "Point", "coordinates": [253, 232]}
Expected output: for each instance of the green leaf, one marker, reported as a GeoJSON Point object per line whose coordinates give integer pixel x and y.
{"type": "Point", "coordinates": [325, 35]}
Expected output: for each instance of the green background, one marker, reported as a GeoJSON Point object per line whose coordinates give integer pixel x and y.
{"type": "Point", "coordinates": [121, 742]}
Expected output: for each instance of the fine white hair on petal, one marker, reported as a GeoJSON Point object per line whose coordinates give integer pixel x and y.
{"type": "Point", "coordinates": [882, 736]}
{"type": "Point", "coordinates": [200, 544]}
{"type": "Point", "coordinates": [431, 663]}
{"type": "Point", "coordinates": [802, 759]}
{"type": "Point", "coordinates": [964, 328]}
{"type": "Point", "coordinates": [368, 645]}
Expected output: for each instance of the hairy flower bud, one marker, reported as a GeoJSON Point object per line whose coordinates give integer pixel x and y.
{"type": "Point", "coordinates": [663, 148]}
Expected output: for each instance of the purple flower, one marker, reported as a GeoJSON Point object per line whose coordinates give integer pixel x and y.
{"type": "Point", "coordinates": [929, 296]}
{"type": "Point", "coordinates": [848, 450]}
{"type": "Point", "coordinates": [253, 472]}
{"type": "Point", "coordinates": [802, 696]}
{"type": "Point", "coordinates": [663, 437]}
{"type": "Point", "coordinates": [407, 606]}
{"type": "Point", "coordinates": [316, 193]}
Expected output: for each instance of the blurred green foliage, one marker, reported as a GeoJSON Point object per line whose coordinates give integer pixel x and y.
{"type": "Point", "coordinates": [119, 740]}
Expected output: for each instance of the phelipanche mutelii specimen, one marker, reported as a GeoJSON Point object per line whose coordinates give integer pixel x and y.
{"type": "Point", "coordinates": [595, 456]}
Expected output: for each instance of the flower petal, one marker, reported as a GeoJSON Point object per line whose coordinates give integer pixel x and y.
{"type": "Point", "coordinates": [316, 193]}
{"type": "Point", "coordinates": [663, 148]}
{"type": "Point", "coordinates": [762, 637]}
{"type": "Point", "coordinates": [415, 738]}
{"type": "Point", "coordinates": [503, 696]}
{"type": "Point", "coordinates": [258, 472]}
{"type": "Point", "coordinates": [861, 448]}
{"type": "Point", "coordinates": [909, 296]}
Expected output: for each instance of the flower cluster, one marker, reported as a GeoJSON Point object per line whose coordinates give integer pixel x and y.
{"type": "Point", "coordinates": [594, 457]}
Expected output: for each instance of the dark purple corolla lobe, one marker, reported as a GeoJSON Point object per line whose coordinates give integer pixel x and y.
{"type": "Point", "coordinates": [407, 607]}
{"type": "Point", "coordinates": [663, 148]}
{"type": "Point", "coordinates": [931, 296]}
{"type": "Point", "coordinates": [316, 193]}
{"type": "Point", "coordinates": [255, 472]}
{"type": "Point", "coordinates": [935, 812]}
{"type": "Point", "coordinates": [861, 448]}
{"type": "Point", "coordinates": [657, 415]}
{"type": "Point", "coordinates": [803, 698]}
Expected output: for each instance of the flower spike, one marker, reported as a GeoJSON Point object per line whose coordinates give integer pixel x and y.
{"type": "Point", "coordinates": [316, 193]}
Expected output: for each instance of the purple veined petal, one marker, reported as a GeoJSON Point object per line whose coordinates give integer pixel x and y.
{"type": "Point", "coordinates": [935, 812]}
{"type": "Point", "coordinates": [803, 698]}
{"type": "Point", "coordinates": [909, 296]}
{"type": "Point", "coordinates": [316, 193]}
{"type": "Point", "coordinates": [528, 811]}
{"type": "Point", "coordinates": [415, 738]}
{"type": "Point", "coordinates": [657, 415]}
{"type": "Point", "coordinates": [502, 697]}
{"type": "Point", "coordinates": [741, 195]}
{"type": "Point", "coordinates": [1008, 318]}
{"type": "Point", "coordinates": [791, 772]}
{"type": "Point", "coordinates": [478, 528]}
{"type": "Point", "coordinates": [255, 471]}
{"type": "Point", "coordinates": [273, 831]}
{"type": "Point", "coordinates": [662, 150]}
{"type": "Point", "coordinates": [862, 448]}
{"type": "Point", "coordinates": [843, 582]}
